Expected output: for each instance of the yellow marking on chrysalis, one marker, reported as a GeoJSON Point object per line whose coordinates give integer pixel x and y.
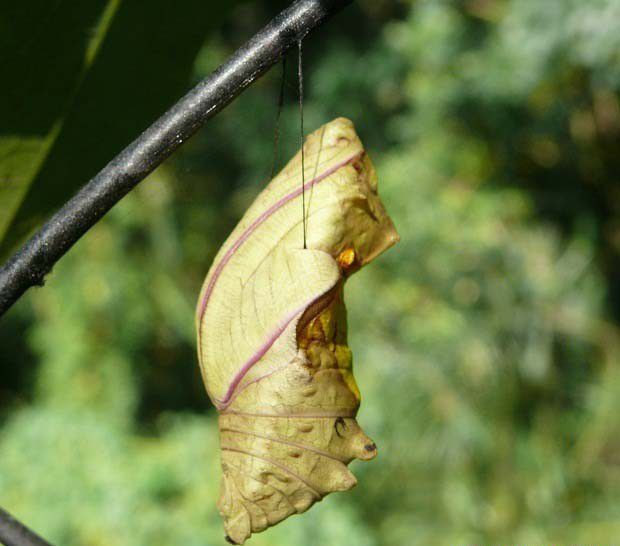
{"type": "Point", "coordinates": [346, 258]}
{"type": "Point", "coordinates": [293, 397]}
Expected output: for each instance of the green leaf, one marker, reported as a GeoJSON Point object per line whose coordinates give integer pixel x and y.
{"type": "Point", "coordinates": [86, 79]}
{"type": "Point", "coordinates": [44, 59]}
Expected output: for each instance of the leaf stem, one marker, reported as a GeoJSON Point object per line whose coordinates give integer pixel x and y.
{"type": "Point", "coordinates": [30, 265]}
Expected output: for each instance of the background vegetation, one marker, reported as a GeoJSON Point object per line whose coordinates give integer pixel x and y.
{"type": "Point", "coordinates": [486, 343]}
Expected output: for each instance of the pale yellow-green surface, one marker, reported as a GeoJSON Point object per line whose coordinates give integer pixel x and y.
{"type": "Point", "coordinates": [272, 334]}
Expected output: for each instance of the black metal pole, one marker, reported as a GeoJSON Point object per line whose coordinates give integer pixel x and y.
{"type": "Point", "coordinates": [36, 258]}
{"type": "Point", "coordinates": [14, 533]}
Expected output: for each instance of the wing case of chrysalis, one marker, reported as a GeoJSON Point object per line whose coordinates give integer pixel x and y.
{"type": "Point", "coordinates": [272, 341]}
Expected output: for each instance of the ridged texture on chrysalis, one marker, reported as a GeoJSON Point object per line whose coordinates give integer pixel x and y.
{"type": "Point", "coordinates": [272, 339]}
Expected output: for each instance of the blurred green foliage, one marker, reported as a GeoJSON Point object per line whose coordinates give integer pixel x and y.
{"type": "Point", "coordinates": [486, 343]}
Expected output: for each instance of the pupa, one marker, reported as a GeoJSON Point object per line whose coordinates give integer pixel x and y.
{"type": "Point", "coordinates": [272, 339]}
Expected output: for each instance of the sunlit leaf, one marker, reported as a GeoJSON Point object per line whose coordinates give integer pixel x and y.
{"type": "Point", "coordinates": [85, 79]}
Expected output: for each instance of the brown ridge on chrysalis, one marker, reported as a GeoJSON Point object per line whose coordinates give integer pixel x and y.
{"type": "Point", "coordinates": [272, 340]}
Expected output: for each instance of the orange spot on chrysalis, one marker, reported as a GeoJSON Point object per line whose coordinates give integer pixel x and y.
{"type": "Point", "coordinates": [346, 258]}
